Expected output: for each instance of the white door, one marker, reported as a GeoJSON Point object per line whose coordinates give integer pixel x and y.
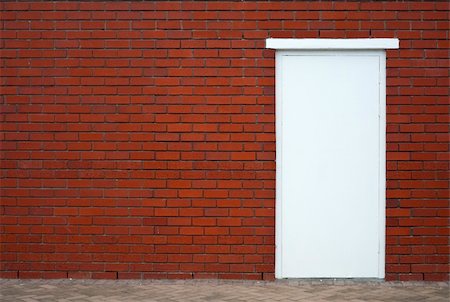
{"type": "Point", "coordinates": [330, 164]}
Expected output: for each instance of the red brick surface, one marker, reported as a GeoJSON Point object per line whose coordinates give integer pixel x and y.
{"type": "Point", "coordinates": [138, 137]}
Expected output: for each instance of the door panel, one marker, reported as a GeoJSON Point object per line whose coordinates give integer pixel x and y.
{"type": "Point", "coordinates": [330, 150]}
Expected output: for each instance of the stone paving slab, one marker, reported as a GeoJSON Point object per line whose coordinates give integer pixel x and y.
{"type": "Point", "coordinates": [218, 290]}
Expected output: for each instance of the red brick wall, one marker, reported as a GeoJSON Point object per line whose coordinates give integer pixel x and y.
{"type": "Point", "coordinates": [138, 137]}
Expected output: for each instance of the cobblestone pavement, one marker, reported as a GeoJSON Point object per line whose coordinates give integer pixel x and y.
{"type": "Point", "coordinates": [216, 290]}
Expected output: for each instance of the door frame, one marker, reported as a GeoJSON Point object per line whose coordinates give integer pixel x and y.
{"type": "Point", "coordinates": [331, 47]}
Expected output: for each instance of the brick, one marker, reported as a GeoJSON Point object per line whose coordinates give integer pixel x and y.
{"type": "Point", "coordinates": [158, 118]}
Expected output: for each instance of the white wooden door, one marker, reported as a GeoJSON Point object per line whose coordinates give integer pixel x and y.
{"type": "Point", "coordinates": [330, 164]}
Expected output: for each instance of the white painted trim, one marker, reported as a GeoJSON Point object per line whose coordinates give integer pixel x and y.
{"type": "Point", "coordinates": [332, 43]}
{"type": "Point", "coordinates": [278, 158]}
{"type": "Point", "coordinates": [382, 148]}
{"type": "Point", "coordinates": [382, 167]}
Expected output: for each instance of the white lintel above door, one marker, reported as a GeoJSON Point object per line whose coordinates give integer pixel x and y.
{"type": "Point", "coordinates": [332, 43]}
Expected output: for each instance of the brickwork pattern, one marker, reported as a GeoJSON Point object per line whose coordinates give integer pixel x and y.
{"type": "Point", "coordinates": [209, 291]}
{"type": "Point", "coordinates": [138, 140]}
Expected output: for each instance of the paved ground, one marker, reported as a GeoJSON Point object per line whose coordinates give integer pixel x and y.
{"type": "Point", "coordinates": [158, 291]}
